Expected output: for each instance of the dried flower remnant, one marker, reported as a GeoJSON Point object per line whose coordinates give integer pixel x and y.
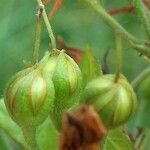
{"type": "Point", "coordinates": [82, 130]}
{"type": "Point", "coordinates": [55, 8]}
{"type": "Point", "coordinates": [74, 53]}
{"type": "Point", "coordinates": [147, 3]}
{"type": "Point", "coordinates": [126, 9]}
{"type": "Point", "coordinates": [105, 68]}
{"type": "Point", "coordinates": [45, 2]}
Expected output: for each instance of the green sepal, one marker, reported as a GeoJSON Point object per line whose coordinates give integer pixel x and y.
{"type": "Point", "coordinates": [89, 66]}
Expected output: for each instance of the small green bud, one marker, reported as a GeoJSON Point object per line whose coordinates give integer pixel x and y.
{"type": "Point", "coordinates": [67, 80]}
{"type": "Point", "coordinates": [29, 96]}
{"type": "Point", "coordinates": [114, 101]}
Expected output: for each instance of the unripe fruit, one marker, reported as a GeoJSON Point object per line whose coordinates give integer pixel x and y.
{"type": "Point", "coordinates": [67, 80]}
{"type": "Point", "coordinates": [29, 96]}
{"type": "Point", "coordinates": [144, 88]}
{"type": "Point", "coordinates": [114, 101]}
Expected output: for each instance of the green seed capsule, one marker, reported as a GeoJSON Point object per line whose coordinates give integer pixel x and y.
{"type": "Point", "coordinates": [29, 96]}
{"type": "Point", "coordinates": [114, 101]}
{"type": "Point", "coordinates": [67, 80]}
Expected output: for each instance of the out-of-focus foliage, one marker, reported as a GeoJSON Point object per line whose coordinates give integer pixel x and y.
{"type": "Point", "coordinates": [7, 143]}
{"type": "Point", "coordinates": [77, 25]}
{"type": "Point", "coordinates": [116, 140]}
{"type": "Point", "coordinates": [11, 137]}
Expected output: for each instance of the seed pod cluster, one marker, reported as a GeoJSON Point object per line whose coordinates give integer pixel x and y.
{"type": "Point", "coordinates": [54, 86]}
{"type": "Point", "coordinates": [50, 87]}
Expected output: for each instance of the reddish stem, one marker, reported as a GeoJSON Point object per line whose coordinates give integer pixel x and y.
{"type": "Point", "coordinates": [45, 2]}
{"type": "Point", "coordinates": [127, 9]}
{"type": "Point", "coordinates": [55, 8]}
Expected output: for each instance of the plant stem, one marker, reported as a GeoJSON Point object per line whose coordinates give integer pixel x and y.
{"type": "Point", "coordinates": [118, 55]}
{"type": "Point", "coordinates": [37, 37]}
{"type": "Point", "coordinates": [110, 21]}
{"type": "Point", "coordinates": [142, 48]}
{"type": "Point", "coordinates": [141, 12]}
{"type": "Point", "coordinates": [48, 26]}
{"type": "Point", "coordinates": [136, 82]}
{"type": "Point", "coordinates": [30, 137]}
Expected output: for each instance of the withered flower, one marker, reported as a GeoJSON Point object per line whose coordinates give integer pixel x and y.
{"type": "Point", "coordinates": [82, 130]}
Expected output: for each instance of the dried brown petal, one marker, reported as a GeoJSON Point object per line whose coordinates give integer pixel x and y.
{"type": "Point", "coordinates": [45, 2]}
{"type": "Point", "coordinates": [126, 9]}
{"type": "Point", "coordinates": [82, 130]}
{"type": "Point", "coordinates": [74, 53]}
{"type": "Point", "coordinates": [147, 3]}
{"type": "Point", "coordinates": [55, 8]}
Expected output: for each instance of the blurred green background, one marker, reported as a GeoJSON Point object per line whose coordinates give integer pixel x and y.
{"type": "Point", "coordinates": [76, 24]}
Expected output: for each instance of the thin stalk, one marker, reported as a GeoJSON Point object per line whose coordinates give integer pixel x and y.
{"type": "Point", "coordinates": [137, 81]}
{"type": "Point", "coordinates": [48, 25]}
{"type": "Point", "coordinates": [118, 55]}
{"type": "Point", "coordinates": [141, 12]}
{"type": "Point", "coordinates": [142, 49]}
{"type": "Point", "coordinates": [111, 22]}
{"type": "Point", "coordinates": [30, 137]}
{"type": "Point", "coordinates": [37, 37]}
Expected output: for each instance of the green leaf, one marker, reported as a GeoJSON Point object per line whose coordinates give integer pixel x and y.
{"type": "Point", "coordinates": [7, 143]}
{"type": "Point", "coordinates": [145, 145]}
{"type": "Point", "coordinates": [46, 133]}
{"type": "Point", "coordinates": [3, 142]}
{"type": "Point", "coordinates": [89, 66]}
{"type": "Point", "coordinates": [141, 118]}
{"type": "Point", "coordinates": [9, 126]}
{"type": "Point", "coordinates": [116, 140]}
{"type": "Point", "coordinates": [142, 115]}
{"type": "Point", "coordinates": [144, 87]}
{"type": "Point", "coordinates": [47, 136]}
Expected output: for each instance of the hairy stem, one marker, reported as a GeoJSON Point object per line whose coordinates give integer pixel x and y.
{"type": "Point", "coordinates": [141, 46]}
{"type": "Point", "coordinates": [141, 12]}
{"type": "Point", "coordinates": [136, 82]}
{"type": "Point", "coordinates": [37, 36]}
{"type": "Point", "coordinates": [30, 137]}
{"type": "Point", "coordinates": [48, 26]}
{"type": "Point", "coordinates": [118, 55]}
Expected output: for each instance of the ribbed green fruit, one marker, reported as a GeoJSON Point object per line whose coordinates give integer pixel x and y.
{"type": "Point", "coordinates": [114, 101]}
{"type": "Point", "coordinates": [29, 95]}
{"type": "Point", "coordinates": [67, 80]}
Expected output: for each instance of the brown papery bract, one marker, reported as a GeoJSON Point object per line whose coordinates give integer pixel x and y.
{"type": "Point", "coordinates": [127, 9]}
{"type": "Point", "coordinates": [56, 7]}
{"type": "Point", "coordinates": [82, 130]}
{"type": "Point", "coordinates": [147, 3]}
{"type": "Point", "coordinates": [45, 2]}
{"type": "Point", "coordinates": [74, 53]}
